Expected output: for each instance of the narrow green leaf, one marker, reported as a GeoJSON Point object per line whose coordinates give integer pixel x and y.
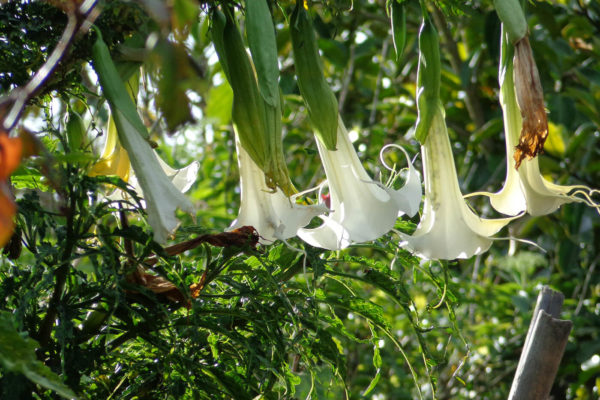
{"type": "Point", "coordinates": [17, 354]}
{"type": "Point", "coordinates": [364, 308]}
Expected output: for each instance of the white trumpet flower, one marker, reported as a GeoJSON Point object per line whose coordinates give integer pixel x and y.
{"type": "Point", "coordinates": [158, 184]}
{"type": "Point", "coordinates": [526, 190]}
{"type": "Point", "coordinates": [274, 215]}
{"type": "Point", "coordinates": [161, 196]}
{"type": "Point", "coordinates": [361, 209]}
{"type": "Point", "coordinates": [115, 161]}
{"type": "Point", "coordinates": [448, 228]}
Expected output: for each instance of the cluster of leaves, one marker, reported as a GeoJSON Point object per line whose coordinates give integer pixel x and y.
{"type": "Point", "coordinates": [370, 321]}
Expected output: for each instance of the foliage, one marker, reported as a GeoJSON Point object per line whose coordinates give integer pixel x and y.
{"type": "Point", "coordinates": [289, 320]}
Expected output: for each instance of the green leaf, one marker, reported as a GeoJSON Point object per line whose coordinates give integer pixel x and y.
{"type": "Point", "coordinates": [17, 354]}
{"type": "Point", "coordinates": [362, 307]}
{"type": "Point", "coordinates": [219, 103]}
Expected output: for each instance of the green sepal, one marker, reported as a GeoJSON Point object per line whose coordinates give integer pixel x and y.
{"type": "Point", "coordinates": [397, 14]}
{"type": "Point", "coordinates": [263, 47]}
{"type": "Point", "coordinates": [512, 16]}
{"type": "Point", "coordinates": [428, 79]}
{"type": "Point", "coordinates": [113, 87]}
{"type": "Point", "coordinates": [319, 98]}
{"type": "Point", "coordinates": [248, 111]}
{"type": "Point", "coordinates": [257, 123]}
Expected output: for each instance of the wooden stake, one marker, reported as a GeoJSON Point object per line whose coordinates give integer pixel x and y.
{"type": "Point", "coordinates": [544, 347]}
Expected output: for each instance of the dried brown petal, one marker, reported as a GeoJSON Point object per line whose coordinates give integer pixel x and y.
{"type": "Point", "coordinates": [530, 97]}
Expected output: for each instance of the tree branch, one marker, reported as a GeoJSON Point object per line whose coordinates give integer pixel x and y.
{"type": "Point", "coordinates": [79, 20]}
{"type": "Point", "coordinates": [472, 101]}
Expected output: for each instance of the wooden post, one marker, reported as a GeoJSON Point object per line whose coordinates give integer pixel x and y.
{"type": "Point", "coordinates": [544, 347]}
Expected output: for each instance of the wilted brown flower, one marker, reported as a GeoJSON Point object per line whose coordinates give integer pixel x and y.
{"type": "Point", "coordinates": [530, 97]}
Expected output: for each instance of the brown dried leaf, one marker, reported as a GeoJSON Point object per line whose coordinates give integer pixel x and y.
{"type": "Point", "coordinates": [159, 285]}
{"type": "Point", "coordinates": [530, 98]}
{"type": "Point", "coordinates": [240, 237]}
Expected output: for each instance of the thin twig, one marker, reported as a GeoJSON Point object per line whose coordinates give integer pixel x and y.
{"type": "Point", "coordinates": [384, 51]}
{"type": "Point", "coordinates": [472, 101]}
{"type": "Point", "coordinates": [13, 105]}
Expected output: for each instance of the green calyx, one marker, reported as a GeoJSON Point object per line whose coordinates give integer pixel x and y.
{"type": "Point", "coordinates": [319, 98]}
{"type": "Point", "coordinates": [256, 110]}
{"type": "Point", "coordinates": [113, 87]}
{"type": "Point", "coordinates": [512, 17]}
{"type": "Point", "coordinates": [428, 79]}
{"type": "Point", "coordinates": [397, 13]}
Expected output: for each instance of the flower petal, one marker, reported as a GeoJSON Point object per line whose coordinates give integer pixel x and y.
{"type": "Point", "coordinates": [273, 214]}
{"type": "Point", "coordinates": [408, 197]}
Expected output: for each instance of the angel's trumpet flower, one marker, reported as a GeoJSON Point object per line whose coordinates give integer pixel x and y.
{"type": "Point", "coordinates": [448, 228]}
{"type": "Point", "coordinates": [361, 209]}
{"type": "Point", "coordinates": [271, 213]}
{"type": "Point", "coordinates": [526, 189]}
{"type": "Point", "coordinates": [161, 196]}
{"type": "Point", "coordinates": [115, 161]}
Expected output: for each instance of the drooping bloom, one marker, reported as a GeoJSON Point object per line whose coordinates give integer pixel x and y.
{"type": "Point", "coordinates": [526, 189]}
{"type": "Point", "coordinates": [448, 228]}
{"type": "Point", "coordinates": [274, 215]}
{"type": "Point", "coordinates": [161, 196]}
{"type": "Point", "coordinates": [267, 194]}
{"type": "Point", "coordinates": [115, 161]}
{"type": "Point", "coordinates": [361, 209]}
